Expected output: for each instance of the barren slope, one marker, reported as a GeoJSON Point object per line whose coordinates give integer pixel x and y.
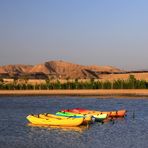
{"type": "Point", "coordinates": [60, 69]}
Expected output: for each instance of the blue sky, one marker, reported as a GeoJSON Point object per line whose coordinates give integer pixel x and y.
{"type": "Point", "coordinates": [88, 32]}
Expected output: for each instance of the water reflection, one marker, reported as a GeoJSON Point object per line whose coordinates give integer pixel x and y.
{"type": "Point", "coordinates": [61, 128]}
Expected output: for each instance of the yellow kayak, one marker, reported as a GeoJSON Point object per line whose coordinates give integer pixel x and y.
{"type": "Point", "coordinates": [54, 121]}
{"type": "Point", "coordinates": [86, 119]}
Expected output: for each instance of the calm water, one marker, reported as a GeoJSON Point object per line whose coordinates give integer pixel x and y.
{"type": "Point", "coordinates": [127, 133]}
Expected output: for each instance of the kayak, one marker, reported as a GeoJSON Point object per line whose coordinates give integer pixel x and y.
{"type": "Point", "coordinates": [118, 113]}
{"type": "Point", "coordinates": [69, 114]}
{"type": "Point", "coordinates": [98, 117]}
{"type": "Point", "coordinates": [87, 119]}
{"type": "Point", "coordinates": [54, 121]}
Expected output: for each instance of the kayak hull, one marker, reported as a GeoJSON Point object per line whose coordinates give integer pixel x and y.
{"type": "Point", "coordinates": [118, 113]}
{"type": "Point", "coordinates": [53, 121]}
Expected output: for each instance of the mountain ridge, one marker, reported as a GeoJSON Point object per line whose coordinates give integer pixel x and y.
{"type": "Point", "coordinates": [59, 69]}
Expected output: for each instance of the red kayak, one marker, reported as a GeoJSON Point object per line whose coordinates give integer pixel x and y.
{"type": "Point", "coordinates": [118, 113]}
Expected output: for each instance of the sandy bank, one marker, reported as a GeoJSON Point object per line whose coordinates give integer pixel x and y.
{"type": "Point", "coordinates": [102, 92]}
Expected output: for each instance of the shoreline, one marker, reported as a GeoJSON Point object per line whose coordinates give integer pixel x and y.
{"type": "Point", "coordinates": [89, 92]}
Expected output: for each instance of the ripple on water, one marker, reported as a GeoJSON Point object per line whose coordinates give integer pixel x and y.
{"type": "Point", "coordinates": [122, 133]}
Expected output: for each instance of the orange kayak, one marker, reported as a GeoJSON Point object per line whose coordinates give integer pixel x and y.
{"type": "Point", "coordinates": [118, 113]}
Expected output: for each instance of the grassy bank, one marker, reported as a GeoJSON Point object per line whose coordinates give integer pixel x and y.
{"type": "Point", "coordinates": [89, 92]}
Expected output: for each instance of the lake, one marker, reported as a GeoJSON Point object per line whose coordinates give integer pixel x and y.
{"type": "Point", "coordinates": [131, 132]}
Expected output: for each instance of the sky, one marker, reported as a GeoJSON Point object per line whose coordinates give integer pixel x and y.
{"type": "Point", "coordinates": [87, 32]}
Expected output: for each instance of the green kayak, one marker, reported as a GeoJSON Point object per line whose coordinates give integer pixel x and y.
{"type": "Point", "coordinates": [87, 119]}
{"type": "Point", "coordinates": [99, 117]}
{"type": "Point", "coordinates": [68, 114]}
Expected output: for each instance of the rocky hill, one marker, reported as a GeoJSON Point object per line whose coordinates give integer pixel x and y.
{"type": "Point", "coordinates": [15, 69]}
{"type": "Point", "coordinates": [57, 69]}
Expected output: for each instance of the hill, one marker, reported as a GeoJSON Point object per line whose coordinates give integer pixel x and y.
{"type": "Point", "coordinates": [57, 69]}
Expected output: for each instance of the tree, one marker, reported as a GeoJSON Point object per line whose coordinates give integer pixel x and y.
{"type": "Point", "coordinates": [76, 83]}
{"type": "Point", "coordinates": [132, 81]}
{"type": "Point", "coordinates": [107, 85]}
{"type": "Point", "coordinates": [57, 85]}
{"type": "Point", "coordinates": [118, 84]}
{"type": "Point", "coordinates": [140, 84]}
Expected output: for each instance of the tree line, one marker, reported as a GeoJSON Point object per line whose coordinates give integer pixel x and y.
{"type": "Point", "coordinates": [130, 83]}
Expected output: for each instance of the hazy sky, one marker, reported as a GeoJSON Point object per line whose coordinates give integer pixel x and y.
{"type": "Point", "coordinates": [101, 32]}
